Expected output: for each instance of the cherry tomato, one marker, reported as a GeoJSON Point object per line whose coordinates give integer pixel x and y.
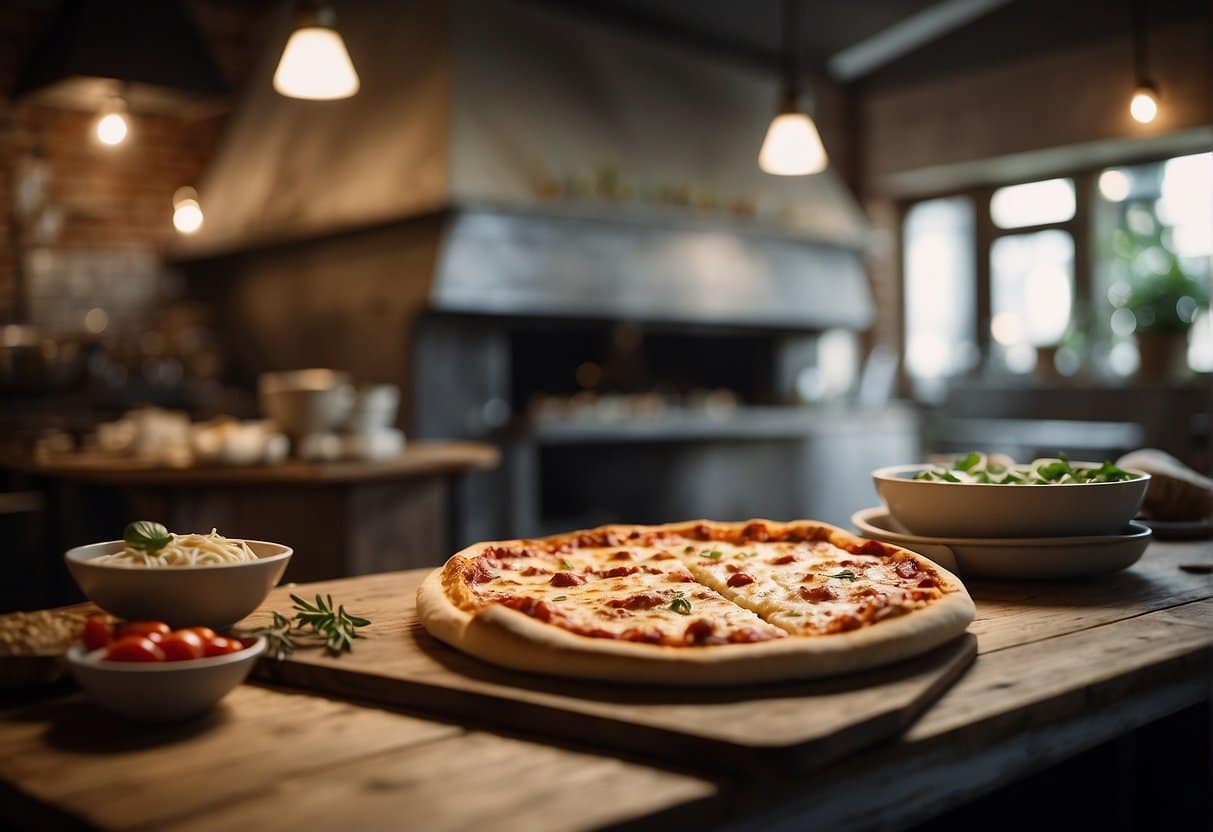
{"type": "Point", "coordinates": [220, 646]}
{"type": "Point", "coordinates": [204, 633]}
{"type": "Point", "coordinates": [97, 632]}
{"type": "Point", "coordinates": [182, 645]}
{"type": "Point", "coordinates": [155, 630]}
{"type": "Point", "coordinates": [134, 649]}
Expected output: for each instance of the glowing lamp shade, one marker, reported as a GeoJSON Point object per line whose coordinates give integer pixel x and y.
{"type": "Point", "coordinates": [187, 212]}
{"type": "Point", "coordinates": [1144, 105]}
{"type": "Point", "coordinates": [315, 65]}
{"type": "Point", "coordinates": [112, 129]}
{"type": "Point", "coordinates": [792, 147]}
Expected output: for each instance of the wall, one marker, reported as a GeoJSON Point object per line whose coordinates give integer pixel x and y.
{"type": "Point", "coordinates": [108, 199]}
{"type": "Point", "coordinates": [1045, 101]}
{"type": "Point", "coordinates": [1039, 116]}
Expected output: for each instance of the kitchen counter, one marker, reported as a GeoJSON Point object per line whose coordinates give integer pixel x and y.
{"type": "Point", "coordinates": [419, 459]}
{"type": "Point", "coordinates": [342, 518]}
{"type": "Point", "coordinates": [1062, 668]}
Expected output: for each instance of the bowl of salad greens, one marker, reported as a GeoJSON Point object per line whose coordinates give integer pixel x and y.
{"type": "Point", "coordinates": [977, 496]}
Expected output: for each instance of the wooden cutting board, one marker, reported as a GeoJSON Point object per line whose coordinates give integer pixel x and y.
{"type": "Point", "coordinates": [803, 723]}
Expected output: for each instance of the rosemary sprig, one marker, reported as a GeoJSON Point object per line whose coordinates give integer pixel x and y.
{"type": "Point", "coordinates": [321, 622]}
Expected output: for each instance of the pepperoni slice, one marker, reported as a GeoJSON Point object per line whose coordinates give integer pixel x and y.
{"type": "Point", "coordinates": [740, 579]}
{"type": "Point", "coordinates": [817, 594]}
{"type": "Point", "coordinates": [567, 579]}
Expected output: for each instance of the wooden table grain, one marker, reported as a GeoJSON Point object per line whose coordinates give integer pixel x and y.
{"type": "Point", "coordinates": [1061, 668]}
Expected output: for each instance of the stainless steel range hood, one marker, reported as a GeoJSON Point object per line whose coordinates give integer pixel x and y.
{"type": "Point", "coordinates": [566, 169]}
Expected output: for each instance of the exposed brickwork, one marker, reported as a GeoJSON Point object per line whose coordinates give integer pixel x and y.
{"type": "Point", "coordinates": [112, 196]}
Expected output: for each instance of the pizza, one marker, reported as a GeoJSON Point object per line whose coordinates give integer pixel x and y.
{"type": "Point", "coordinates": [696, 603]}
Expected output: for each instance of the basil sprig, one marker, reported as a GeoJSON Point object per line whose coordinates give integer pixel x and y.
{"type": "Point", "coordinates": [147, 536]}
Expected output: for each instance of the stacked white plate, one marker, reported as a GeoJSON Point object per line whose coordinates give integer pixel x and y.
{"type": "Point", "coordinates": [1013, 557]}
{"type": "Point", "coordinates": [1010, 531]}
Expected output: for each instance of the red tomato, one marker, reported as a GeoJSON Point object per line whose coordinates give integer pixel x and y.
{"type": "Point", "coordinates": [182, 645]}
{"type": "Point", "coordinates": [134, 649]}
{"type": "Point", "coordinates": [97, 632]}
{"type": "Point", "coordinates": [204, 633]}
{"type": "Point", "coordinates": [155, 630]}
{"type": "Point", "coordinates": [220, 646]}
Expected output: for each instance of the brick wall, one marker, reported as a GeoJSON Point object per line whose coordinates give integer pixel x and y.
{"type": "Point", "coordinates": [120, 197]}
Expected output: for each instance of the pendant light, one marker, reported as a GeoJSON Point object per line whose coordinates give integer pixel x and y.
{"type": "Point", "coordinates": [315, 64]}
{"type": "Point", "coordinates": [187, 212]}
{"type": "Point", "coordinates": [792, 146]}
{"type": "Point", "coordinates": [1143, 106]}
{"type": "Point", "coordinates": [112, 127]}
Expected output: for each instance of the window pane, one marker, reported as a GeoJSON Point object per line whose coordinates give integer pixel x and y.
{"type": "Point", "coordinates": [939, 289]}
{"type": "Point", "coordinates": [1154, 227]}
{"type": "Point", "coordinates": [1031, 293]}
{"type": "Point", "coordinates": [1033, 203]}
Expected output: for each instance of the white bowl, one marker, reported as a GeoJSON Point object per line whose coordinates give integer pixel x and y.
{"type": "Point", "coordinates": [980, 510]}
{"type": "Point", "coordinates": [160, 691]}
{"type": "Point", "coordinates": [182, 596]}
{"type": "Point", "coordinates": [1015, 558]}
{"type": "Point", "coordinates": [303, 402]}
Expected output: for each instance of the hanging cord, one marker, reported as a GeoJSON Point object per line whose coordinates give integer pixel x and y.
{"type": "Point", "coordinates": [789, 29]}
{"type": "Point", "coordinates": [1140, 30]}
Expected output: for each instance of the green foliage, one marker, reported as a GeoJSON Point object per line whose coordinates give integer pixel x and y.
{"type": "Point", "coordinates": [1158, 284]}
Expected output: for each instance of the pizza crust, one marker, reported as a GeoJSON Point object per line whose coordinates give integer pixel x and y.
{"type": "Point", "coordinates": [509, 638]}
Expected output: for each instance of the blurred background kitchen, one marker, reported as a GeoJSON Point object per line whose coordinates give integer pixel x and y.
{"type": "Point", "coordinates": [378, 279]}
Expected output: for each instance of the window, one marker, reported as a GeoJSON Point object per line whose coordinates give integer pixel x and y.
{"type": "Point", "coordinates": [1075, 271]}
{"type": "Point", "coordinates": [1034, 203]}
{"type": "Point", "coordinates": [1154, 230]}
{"type": "Point", "coordinates": [1031, 294]}
{"type": "Point", "coordinates": [940, 310]}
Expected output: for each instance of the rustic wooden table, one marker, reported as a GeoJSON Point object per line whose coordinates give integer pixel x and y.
{"type": "Point", "coordinates": [1062, 667]}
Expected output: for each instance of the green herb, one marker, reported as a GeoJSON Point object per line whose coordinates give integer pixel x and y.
{"type": "Point", "coordinates": [147, 536]}
{"type": "Point", "coordinates": [747, 554]}
{"type": "Point", "coordinates": [564, 564]}
{"type": "Point", "coordinates": [561, 598]}
{"type": "Point", "coordinates": [967, 462]}
{"type": "Point", "coordinates": [681, 605]}
{"type": "Point", "coordinates": [688, 550]}
{"type": "Point", "coordinates": [845, 575]}
{"type": "Point", "coordinates": [321, 623]}
{"type": "Point", "coordinates": [715, 554]}
{"type": "Point", "coordinates": [974, 468]}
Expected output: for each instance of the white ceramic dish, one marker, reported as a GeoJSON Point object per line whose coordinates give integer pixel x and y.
{"type": "Point", "coordinates": [977, 510]}
{"type": "Point", "coordinates": [181, 596]}
{"type": "Point", "coordinates": [160, 691]}
{"type": "Point", "coordinates": [1017, 558]}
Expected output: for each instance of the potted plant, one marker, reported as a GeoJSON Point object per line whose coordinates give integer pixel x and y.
{"type": "Point", "coordinates": [1163, 297]}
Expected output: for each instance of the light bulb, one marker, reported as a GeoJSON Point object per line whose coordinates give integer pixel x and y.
{"type": "Point", "coordinates": [187, 212]}
{"type": "Point", "coordinates": [315, 65]}
{"type": "Point", "coordinates": [111, 129]}
{"type": "Point", "coordinates": [1144, 106]}
{"type": "Point", "coordinates": [1114, 185]}
{"type": "Point", "coordinates": [792, 146]}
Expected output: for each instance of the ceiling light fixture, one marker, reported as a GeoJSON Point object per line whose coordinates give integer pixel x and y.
{"type": "Point", "coordinates": [111, 126]}
{"type": "Point", "coordinates": [187, 211]}
{"type": "Point", "coordinates": [1144, 104]}
{"type": "Point", "coordinates": [792, 146]}
{"type": "Point", "coordinates": [315, 64]}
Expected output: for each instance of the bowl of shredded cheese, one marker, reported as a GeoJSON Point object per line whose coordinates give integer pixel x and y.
{"type": "Point", "coordinates": [181, 579]}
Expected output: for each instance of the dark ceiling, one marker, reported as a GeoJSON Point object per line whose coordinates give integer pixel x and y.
{"type": "Point", "coordinates": [749, 29]}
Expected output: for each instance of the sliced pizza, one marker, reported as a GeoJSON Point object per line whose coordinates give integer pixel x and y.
{"type": "Point", "coordinates": [693, 603]}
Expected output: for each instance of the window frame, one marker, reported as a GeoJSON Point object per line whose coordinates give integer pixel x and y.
{"type": "Point", "coordinates": [1081, 228]}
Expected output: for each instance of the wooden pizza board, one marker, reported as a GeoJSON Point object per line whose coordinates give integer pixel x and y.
{"type": "Point", "coordinates": [805, 724]}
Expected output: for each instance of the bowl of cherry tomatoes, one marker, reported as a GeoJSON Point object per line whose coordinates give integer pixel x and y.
{"type": "Point", "coordinates": [147, 671]}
